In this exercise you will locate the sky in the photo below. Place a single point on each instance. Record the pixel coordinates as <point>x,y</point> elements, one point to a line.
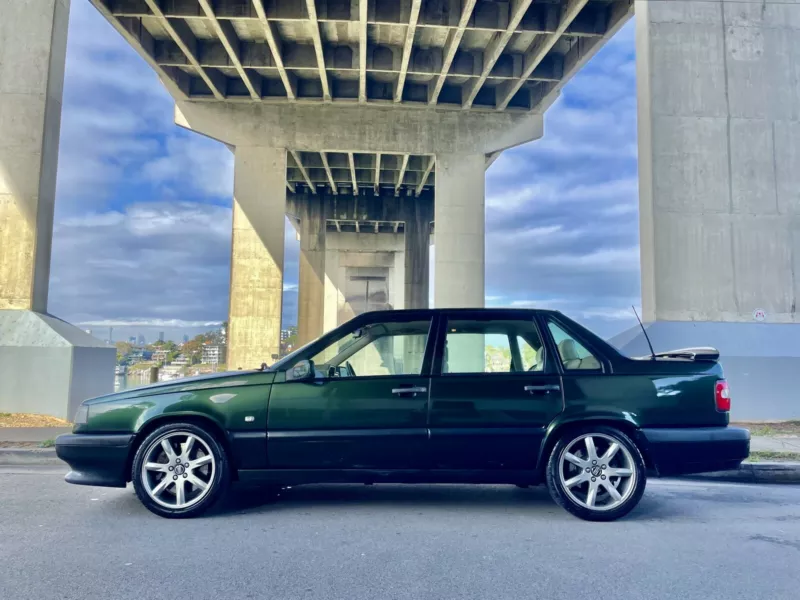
<point>143,207</point>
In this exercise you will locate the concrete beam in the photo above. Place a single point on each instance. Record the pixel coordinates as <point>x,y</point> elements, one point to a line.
<point>537,52</point>
<point>311,286</point>
<point>331,181</point>
<point>311,6</point>
<point>358,128</point>
<point>353,172</point>
<point>362,50</point>
<point>230,41</point>
<point>378,173</point>
<point>423,181</point>
<point>407,47</point>
<point>274,43</point>
<point>182,35</point>
<point>401,175</point>
<point>450,49</point>
<point>494,50</point>
<point>312,188</point>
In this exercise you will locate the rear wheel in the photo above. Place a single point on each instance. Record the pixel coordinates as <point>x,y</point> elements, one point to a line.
<point>597,473</point>
<point>180,470</point>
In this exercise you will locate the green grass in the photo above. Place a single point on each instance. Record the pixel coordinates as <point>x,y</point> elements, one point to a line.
<point>771,455</point>
<point>762,431</point>
<point>5,415</point>
<point>47,444</point>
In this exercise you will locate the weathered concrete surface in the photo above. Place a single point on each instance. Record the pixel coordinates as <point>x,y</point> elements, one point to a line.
<point>259,208</point>
<point>311,284</point>
<point>33,40</point>
<point>719,149</point>
<point>342,128</point>
<point>687,540</point>
<point>48,366</point>
<point>460,218</point>
<point>418,220</point>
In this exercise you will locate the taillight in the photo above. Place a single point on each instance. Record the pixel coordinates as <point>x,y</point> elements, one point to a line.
<point>722,394</point>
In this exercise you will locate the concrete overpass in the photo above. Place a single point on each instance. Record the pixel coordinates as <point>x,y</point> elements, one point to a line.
<point>370,122</point>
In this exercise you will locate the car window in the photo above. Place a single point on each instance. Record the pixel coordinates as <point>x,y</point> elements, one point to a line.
<point>574,355</point>
<point>378,349</point>
<point>491,347</point>
<point>532,358</point>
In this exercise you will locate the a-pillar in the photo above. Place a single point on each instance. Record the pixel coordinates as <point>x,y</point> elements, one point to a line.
<point>256,291</point>
<point>418,214</point>
<point>719,149</point>
<point>459,236</point>
<point>311,288</point>
<point>33,43</point>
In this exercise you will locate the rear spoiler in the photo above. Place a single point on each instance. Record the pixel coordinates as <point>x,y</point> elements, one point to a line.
<point>709,354</point>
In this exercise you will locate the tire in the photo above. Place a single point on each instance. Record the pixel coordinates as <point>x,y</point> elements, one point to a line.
<point>570,483</point>
<point>181,484</point>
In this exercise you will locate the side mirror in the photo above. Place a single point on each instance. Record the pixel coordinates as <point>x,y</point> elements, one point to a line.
<point>301,371</point>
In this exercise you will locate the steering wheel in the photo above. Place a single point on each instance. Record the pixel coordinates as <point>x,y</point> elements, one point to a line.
<point>350,368</point>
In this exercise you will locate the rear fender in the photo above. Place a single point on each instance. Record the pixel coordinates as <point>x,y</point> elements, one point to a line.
<point>624,421</point>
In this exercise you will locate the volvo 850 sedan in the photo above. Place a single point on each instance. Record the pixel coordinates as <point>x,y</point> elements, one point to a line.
<point>421,396</point>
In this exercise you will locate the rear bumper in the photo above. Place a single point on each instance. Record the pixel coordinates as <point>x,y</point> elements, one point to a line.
<point>95,459</point>
<point>696,450</point>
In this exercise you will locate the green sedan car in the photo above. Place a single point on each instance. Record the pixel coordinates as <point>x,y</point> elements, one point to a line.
<point>421,396</point>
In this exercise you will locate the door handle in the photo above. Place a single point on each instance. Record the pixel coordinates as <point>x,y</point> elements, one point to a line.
<point>543,388</point>
<point>409,390</point>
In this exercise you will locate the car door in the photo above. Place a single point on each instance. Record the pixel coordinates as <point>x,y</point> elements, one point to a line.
<point>367,406</point>
<point>494,390</point>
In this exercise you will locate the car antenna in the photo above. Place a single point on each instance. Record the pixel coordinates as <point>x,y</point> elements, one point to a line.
<point>644,331</point>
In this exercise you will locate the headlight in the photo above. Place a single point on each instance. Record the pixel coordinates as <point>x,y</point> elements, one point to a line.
<point>82,416</point>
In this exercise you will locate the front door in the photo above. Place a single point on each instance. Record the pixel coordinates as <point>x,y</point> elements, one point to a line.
<point>367,406</point>
<point>494,390</point>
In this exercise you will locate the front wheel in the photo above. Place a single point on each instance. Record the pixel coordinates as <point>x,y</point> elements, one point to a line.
<point>597,473</point>
<point>180,470</point>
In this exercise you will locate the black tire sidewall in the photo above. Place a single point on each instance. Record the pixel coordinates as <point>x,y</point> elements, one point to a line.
<point>219,484</point>
<point>560,496</point>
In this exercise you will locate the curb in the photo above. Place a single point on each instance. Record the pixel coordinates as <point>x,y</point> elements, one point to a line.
<point>16,457</point>
<point>760,472</point>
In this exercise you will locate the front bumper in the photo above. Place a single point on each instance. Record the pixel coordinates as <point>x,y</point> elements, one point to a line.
<point>696,449</point>
<point>95,459</point>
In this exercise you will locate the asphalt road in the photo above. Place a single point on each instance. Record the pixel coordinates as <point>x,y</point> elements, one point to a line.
<point>685,540</point>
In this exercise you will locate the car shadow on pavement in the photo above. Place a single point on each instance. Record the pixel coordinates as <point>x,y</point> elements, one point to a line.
<point>478,498</point>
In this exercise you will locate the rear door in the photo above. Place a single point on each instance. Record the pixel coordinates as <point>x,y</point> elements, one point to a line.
<point>367,406</point>
<point>494,390</point>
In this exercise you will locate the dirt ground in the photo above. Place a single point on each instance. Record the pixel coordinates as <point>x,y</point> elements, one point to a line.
<point>775,428</point>
<point>28,420</point>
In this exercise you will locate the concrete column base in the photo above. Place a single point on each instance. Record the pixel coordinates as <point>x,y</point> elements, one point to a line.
<point>761,361</point>
<point>48,366</point>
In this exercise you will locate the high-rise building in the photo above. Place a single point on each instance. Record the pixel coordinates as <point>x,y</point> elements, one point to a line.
<point>140,340</point>
<point>160,336</point>
<point>185,338</point>
<point>132,340</point>
<point>111,335</point>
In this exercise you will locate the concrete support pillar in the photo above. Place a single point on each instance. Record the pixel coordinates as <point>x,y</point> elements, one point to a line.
<point>719,149</point>
<point>418,213</point>
<point>33,41</point>
<point>459,231</point>
<point>256,293</point>
<point>311,289</point>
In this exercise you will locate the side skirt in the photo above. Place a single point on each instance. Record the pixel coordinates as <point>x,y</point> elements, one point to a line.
<point>301,476</point>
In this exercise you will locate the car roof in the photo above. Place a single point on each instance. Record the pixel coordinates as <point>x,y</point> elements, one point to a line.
<point>431,311</point>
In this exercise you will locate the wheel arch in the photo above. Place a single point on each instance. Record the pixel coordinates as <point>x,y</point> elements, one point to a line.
<point>203,421</point>
<point>556,431</point>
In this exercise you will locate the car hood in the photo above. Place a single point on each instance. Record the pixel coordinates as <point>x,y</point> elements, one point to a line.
<point>199,382</point>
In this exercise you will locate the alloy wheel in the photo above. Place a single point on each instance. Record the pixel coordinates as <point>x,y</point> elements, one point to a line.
<point>597,472</point>
<point>178,470</point>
